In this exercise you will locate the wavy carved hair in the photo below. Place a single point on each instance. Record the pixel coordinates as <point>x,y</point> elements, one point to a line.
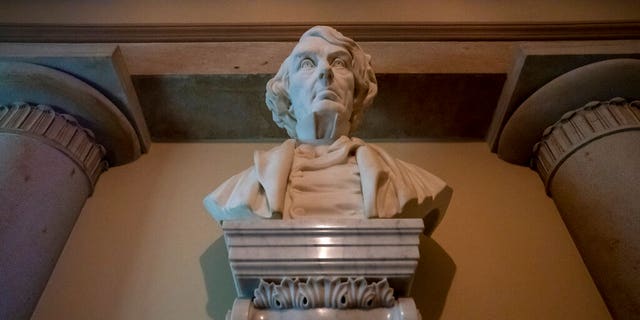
<point>365,89</point>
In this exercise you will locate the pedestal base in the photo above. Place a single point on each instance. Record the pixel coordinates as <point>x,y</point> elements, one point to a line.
<point>244,309</point>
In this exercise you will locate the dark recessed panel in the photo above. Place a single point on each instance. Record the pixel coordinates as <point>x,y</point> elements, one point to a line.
<point>200,107</point>
<point>432,106</point>
<point>230,107</point>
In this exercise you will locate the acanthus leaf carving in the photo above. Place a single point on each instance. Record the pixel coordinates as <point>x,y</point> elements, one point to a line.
<point>324,292</point>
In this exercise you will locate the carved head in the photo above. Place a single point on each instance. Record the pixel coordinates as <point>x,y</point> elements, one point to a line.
<point>323,87</point>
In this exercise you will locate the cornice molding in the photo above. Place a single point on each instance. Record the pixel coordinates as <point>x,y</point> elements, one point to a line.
<point>352,248</point>
<point>77,33</point>
<point>578,128</point>
<point>59,130</point>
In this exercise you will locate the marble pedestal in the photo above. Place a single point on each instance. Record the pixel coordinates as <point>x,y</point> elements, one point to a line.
<point>302,267</point>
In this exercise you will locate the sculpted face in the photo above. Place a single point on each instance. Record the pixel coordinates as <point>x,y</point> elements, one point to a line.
<point>321,88</point>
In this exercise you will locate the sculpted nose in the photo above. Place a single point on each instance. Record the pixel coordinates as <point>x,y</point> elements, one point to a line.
<point>326,75</point>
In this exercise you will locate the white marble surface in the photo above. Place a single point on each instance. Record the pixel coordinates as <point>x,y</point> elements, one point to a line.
<point>324,292</point>
<point>273,249</point>
<point>323,87</point>
<point>405,309</point>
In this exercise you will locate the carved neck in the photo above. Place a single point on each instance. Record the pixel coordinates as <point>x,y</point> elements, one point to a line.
<point>322,127</point>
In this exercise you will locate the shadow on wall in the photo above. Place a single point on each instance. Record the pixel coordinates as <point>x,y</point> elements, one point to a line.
<point>431,284</point>
<point>433,278</point>
<point>218,279</point>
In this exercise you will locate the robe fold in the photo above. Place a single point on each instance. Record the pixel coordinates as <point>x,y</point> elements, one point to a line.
<point>390,187</point>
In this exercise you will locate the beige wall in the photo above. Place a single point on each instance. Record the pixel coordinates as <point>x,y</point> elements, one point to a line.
<point>136,250</point>
<point>330,11</point>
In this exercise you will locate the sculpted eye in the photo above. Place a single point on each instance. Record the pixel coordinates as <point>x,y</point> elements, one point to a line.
<point>339,63</point>
<point>307,64</point>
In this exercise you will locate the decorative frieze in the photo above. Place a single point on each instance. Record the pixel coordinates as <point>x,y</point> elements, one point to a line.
<point>578,128</point>
<point>324,292</point>
<point>61,131</point>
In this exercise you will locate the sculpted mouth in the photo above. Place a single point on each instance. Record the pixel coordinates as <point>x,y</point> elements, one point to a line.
<point>326,95</point>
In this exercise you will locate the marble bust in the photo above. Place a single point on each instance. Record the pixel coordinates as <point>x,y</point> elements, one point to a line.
<point>318,96</point>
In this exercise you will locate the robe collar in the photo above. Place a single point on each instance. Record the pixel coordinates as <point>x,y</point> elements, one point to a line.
<point>274,166</point>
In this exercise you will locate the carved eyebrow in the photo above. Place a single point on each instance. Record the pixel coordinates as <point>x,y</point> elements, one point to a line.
<point>332,55</point>
<point>340,54</point>
<point>303,54</point>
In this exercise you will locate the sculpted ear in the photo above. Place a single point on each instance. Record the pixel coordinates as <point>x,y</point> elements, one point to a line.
<point>277,100</point>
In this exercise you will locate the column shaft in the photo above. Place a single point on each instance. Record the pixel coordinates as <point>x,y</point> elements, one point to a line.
<point>590,163</point>
<point>44,182</point>
<point>597,191</point>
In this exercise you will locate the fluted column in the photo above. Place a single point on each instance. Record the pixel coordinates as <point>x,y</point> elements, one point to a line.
<point>49,165</point>
<point>590,163</point>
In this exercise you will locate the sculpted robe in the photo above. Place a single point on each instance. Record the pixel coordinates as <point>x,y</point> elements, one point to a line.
<point>390,187</point>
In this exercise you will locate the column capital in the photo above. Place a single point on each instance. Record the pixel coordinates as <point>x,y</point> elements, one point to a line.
<point>58,130</point>
<point>578,128</point>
